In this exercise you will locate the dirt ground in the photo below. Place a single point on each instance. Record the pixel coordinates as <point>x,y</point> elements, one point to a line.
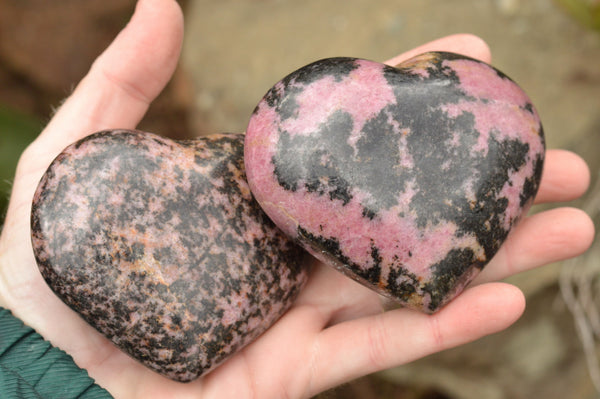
<point>236,49</point>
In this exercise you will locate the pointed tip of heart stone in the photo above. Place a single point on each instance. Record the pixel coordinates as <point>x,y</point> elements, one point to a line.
<point>407,179</point>
<point>161,247</point>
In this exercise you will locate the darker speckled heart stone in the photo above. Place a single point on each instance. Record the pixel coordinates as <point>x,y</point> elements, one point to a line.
<point>407,179</point>
<point>161,247</point>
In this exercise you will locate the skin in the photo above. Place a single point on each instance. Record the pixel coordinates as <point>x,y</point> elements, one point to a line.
<point>337,330</point>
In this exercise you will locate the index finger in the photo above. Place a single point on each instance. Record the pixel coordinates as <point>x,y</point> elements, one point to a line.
<point>465,44</point>
<point>566,177</point>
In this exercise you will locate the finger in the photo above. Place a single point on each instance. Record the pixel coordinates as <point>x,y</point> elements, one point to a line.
<point>466,44</point>
<point>540,239</point>
<point>359,347</point>
<point>124,79</point>
<point>566,177</point>
<point>337,297</point>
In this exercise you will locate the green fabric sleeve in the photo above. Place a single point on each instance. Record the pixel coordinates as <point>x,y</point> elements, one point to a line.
<point>31,367</point>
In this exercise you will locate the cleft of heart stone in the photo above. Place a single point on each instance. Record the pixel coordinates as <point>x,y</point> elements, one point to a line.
<point>407,179</point>
<point>161,247</point>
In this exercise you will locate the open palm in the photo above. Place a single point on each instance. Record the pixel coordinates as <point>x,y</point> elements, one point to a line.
<point>337,330</point>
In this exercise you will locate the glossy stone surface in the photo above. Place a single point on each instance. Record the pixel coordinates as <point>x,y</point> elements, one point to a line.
<point>407,179</point>
<point>160,246</point>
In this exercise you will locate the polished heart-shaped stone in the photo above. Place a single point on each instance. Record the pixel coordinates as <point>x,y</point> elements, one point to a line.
<point>161,247</point>
<point>408,178</point>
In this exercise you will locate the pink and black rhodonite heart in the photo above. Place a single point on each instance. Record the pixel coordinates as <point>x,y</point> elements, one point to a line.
<point>408,178</point>
<point>161,247</point>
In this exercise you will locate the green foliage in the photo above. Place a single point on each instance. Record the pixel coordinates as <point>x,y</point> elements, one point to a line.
<point>17,130</point>
<point>586,12</point>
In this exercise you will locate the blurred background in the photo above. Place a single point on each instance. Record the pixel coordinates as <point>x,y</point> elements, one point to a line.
<point>236,49</point>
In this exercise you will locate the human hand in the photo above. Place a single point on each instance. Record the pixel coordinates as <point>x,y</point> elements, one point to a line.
<point>337,330</point>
